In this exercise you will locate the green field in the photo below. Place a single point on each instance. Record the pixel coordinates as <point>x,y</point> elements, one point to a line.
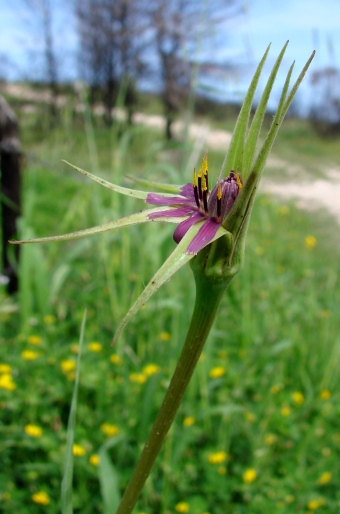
<point>259,428</point>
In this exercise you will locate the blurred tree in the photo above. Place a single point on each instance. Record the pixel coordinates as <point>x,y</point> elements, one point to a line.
<point>325,111</point>
<point>112,42</point>
<point>180,28</point>
<point>42,9</point>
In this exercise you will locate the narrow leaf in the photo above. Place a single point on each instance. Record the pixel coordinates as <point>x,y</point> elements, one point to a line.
<point>233,158</point>
<point>108,477</point>
<point>67,480</point>
<point>175,261</point>
<point>132,219</point>
<point>256,125</point>
<point>280,114</point>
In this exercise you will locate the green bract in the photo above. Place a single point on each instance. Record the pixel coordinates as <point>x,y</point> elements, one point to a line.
<point>223,255</point>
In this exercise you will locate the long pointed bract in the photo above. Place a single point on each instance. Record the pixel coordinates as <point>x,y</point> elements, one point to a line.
<point>113,187</point>
<point>174,262</point>
<point>132,219</point>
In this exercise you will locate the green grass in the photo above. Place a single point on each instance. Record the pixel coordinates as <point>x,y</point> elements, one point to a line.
<point>277,334</point>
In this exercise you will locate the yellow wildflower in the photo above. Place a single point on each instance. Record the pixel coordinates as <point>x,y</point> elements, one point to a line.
<point>33,430</point>
<point>249,475</point>
<point>270,439</point>
<point>78,450</point>
<point>249,416</point>
<point>151,369</point>
<point>283,209</point>
<point>95,347</point>
<point>260,250</point>
<point>223,354</point>
<point>29,355</point>
<point>68,365</point>
<point>109,429</point>
<point>310,242</point>
<point>217,458</point>
<point>75,348</point>
<point>36,340</point>
<point>164,337</point>
<point>298,398</point>
<point>5,368</point>
<point>182,507</point>
<point>315,504</point>
<point>275,388</point>
<point>137,378</point>
<point>94,459</point>
<point>41,498</point>
<point>188,421</point>
<point>115,359</point>
<point>49,319</point>
<point>285,410</point>
<point>6,382</point>
<point>325,478</point>
<point>325,394</point>
<point>217,372</point>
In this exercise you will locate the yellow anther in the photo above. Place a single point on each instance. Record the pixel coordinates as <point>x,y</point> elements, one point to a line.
<point>238,180</point>
<point>204,165</point>
<point>204,184</point>
<point>195,179</point>
<point>219,192</point>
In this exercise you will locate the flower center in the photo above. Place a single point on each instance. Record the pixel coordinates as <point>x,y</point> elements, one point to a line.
<point>217,203</point>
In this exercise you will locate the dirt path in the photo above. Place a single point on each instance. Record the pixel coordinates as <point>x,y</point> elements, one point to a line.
<point>310,195</point>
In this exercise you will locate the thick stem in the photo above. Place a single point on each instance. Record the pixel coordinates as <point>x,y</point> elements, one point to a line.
<point>208,297</point>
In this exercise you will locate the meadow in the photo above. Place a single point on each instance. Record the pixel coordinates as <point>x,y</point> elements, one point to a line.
<point>259,427</point>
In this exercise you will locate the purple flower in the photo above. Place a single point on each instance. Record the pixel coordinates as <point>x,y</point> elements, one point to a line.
<point>200,205</point>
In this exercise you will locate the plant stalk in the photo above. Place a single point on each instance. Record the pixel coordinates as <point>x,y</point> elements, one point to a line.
<point>208,298</point>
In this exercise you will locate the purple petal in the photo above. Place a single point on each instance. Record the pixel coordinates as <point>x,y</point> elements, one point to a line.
<point>184,226</point>
<point>204,236</point>
<point>188,191</point>
<point>173,213</point>
<point>155,199</point>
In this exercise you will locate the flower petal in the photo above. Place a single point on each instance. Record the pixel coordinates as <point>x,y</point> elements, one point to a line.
<point>188,191</point>
<point>176,213</point>
<point>205,235</point>
<point>184,226</point>
<point>133,219</point>
<point>156,199</point>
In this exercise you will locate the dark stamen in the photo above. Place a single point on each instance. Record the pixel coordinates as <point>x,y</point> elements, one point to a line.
<point>196,189</point>
<point>219,203</point>
<point>200,186</point>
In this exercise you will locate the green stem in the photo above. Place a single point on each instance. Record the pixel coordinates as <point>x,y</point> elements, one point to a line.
<point>208,297</point>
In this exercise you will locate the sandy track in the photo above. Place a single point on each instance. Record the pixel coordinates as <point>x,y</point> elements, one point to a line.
<point>311,195</point>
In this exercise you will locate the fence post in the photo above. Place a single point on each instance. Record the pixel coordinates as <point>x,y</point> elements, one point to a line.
<point>10,189</point>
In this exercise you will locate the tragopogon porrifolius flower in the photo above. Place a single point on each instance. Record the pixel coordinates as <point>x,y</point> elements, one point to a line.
<point>211,233</point>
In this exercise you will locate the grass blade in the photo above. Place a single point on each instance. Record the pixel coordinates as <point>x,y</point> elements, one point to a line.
<point>67,480</point>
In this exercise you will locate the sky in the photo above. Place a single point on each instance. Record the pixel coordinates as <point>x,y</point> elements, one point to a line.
<point>308,25</point>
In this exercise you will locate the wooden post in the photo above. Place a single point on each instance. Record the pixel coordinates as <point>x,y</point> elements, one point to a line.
<point>10,188</point>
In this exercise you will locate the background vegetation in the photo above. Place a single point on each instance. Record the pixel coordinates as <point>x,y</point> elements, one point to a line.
<point>258,430</point>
